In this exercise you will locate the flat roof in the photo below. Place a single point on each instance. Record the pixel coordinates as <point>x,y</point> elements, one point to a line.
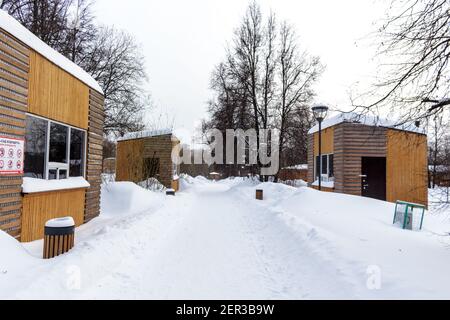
<point>146,134</point>
<point>352,117</point>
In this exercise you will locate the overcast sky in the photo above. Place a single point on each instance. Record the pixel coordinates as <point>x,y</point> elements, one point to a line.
<point>183,40</point>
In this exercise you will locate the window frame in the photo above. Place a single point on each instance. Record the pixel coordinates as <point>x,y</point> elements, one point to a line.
<point>327,155</point>
<point>56,165</point>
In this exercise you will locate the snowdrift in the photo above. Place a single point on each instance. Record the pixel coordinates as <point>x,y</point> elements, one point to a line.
<point>124,198</point>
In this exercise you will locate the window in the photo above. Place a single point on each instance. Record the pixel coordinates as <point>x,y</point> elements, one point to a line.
<point>58,143</point>
<point>35,147</point>
<point>331,165</point>
<point>326,167</point>
<point>53,151</point>
<point>325,164</point>
<point>77,138</point>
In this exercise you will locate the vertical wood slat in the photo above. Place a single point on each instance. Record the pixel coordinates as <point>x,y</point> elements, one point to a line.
<point>407,167</point>
<point>41,207</point>
<point>14,65</point>
<point>56,94</point>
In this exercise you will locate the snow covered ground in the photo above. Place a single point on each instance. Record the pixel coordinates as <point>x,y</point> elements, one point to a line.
<point>214,241</point>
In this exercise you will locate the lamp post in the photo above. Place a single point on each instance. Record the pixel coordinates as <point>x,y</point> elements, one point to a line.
<point>320,113</point>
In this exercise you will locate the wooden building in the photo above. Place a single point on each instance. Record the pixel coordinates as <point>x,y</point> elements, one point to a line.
<point>51,132</point>
<point>145,155</point>
<point>371,158</point>
<point>299,172</point>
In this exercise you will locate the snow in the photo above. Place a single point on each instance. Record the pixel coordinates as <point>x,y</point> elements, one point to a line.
<point>325,184</point>
<point>298,167</point>
<point>216,241</point>
<point>439,169</point>
<point>13,27</point>
<point>32,185</point>
<point>366,120</point>
<point>145,134</point>
<point>60,223</point>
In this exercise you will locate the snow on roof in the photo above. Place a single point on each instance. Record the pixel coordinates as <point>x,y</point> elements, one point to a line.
<point>352,117</point>
<point>145,134</point>
<point>12,26</point>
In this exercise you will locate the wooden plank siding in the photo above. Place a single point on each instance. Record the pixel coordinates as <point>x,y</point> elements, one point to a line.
<point>407,176</point>
<point>38,208</point>
<point>131,155</point>
<point>327,141</point>
<point>129,160</point>
<point>94,155</point>
<point>354,141</point>
<point>57,95</point>
<point>14,67</point>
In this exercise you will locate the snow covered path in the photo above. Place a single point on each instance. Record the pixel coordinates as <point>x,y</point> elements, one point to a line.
<point>216,251</point>
<point>215,241</point>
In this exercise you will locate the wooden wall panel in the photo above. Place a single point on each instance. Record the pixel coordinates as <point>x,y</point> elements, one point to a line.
<point>40,207</point>
<point>327,141</point>
<point>56,94</point>
<point>14,67</point>
<point>161,147</point>
<point>129,160</point>
<point>94,166</point>
<point>407,177</point>
<point>357,141</point>
<point>131,154</point>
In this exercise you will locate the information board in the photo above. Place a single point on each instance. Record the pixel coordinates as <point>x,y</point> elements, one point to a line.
<point>11,156</point>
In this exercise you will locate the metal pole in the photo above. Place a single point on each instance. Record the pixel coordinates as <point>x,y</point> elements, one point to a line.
<point>320,155</point>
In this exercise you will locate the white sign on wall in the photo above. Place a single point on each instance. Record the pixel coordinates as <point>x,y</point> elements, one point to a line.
<point>11,156</point>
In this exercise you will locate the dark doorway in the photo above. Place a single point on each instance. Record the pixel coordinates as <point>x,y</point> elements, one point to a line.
<point>373,178</point>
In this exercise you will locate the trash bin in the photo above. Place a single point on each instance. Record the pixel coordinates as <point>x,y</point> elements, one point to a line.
<point>170,192</point>
<point>59,237</point>
<point>259,194</point>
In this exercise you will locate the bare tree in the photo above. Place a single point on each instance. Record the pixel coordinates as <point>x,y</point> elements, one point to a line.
<point>112,57</point>
<point>297,73</point>
<point>265,83</point>
<point>416,42</point>
<point>116,62</point>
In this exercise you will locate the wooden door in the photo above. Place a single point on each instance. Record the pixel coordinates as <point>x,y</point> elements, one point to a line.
<point>373,177</point>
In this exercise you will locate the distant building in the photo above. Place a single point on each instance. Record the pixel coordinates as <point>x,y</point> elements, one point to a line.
<point>145,155</point>
<point>369,157</point>
<point>299,172</point>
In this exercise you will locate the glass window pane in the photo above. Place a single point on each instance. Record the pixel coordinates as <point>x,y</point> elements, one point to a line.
<point>331,166</point>
<point>325,164</point>
<point>62,174</point>
<point>52,174</point>
<point>317,167</point>
<point>58,143</point>
<point>35,147</point>
<point>76,153</point>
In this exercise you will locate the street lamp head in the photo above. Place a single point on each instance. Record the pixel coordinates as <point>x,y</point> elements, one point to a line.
<point>320,112</point>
